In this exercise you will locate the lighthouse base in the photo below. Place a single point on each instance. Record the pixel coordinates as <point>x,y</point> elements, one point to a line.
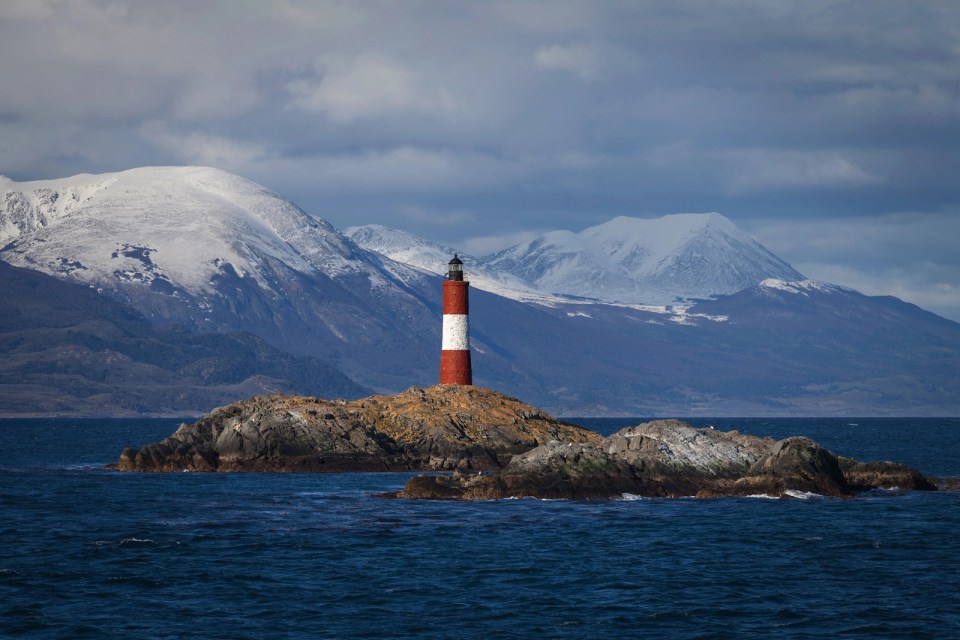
<point>455,367</point>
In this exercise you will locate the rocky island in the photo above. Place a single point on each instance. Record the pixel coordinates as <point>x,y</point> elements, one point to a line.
<point>670,458</point>
<point>500,447</point>
<point>444,427</point>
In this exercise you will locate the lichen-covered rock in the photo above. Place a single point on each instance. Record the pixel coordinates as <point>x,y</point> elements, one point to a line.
<point>676,445</point>
<point>441,427</point>
<point>670,458</point>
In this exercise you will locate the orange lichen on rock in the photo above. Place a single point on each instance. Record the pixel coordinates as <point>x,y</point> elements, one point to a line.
<point>440,427</point>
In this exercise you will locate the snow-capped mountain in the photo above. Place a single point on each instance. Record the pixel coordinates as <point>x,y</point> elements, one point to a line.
<point>159,226</point>
<point>645,261</point>
<point>415,251</point>
<point>204,248</point>
<point>198,251</point>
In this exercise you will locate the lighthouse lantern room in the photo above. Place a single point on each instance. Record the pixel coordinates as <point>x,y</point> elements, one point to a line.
<point>455,356</point>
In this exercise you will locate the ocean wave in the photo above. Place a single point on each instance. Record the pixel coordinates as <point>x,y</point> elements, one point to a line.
<point>801,495</point>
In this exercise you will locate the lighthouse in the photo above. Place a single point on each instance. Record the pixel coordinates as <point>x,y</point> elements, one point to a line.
<point>455,357</point>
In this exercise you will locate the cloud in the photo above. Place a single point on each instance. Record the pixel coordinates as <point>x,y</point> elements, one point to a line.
<point>911,255</point>
<point>366,86</point>
<point>580,60</point>
<point>323,16</point>
<point>435,217</point>
<point>26,10</point>
<point>485,245</point>
<point>519,115</point>
<point>755,170</point>
<point>561,17</point>
<point>204,149</point>
<point>397,170</point>
<point>930,286</point>
<point>407,169</point>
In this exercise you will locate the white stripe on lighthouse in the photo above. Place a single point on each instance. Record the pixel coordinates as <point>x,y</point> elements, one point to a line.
<point>456,335</point>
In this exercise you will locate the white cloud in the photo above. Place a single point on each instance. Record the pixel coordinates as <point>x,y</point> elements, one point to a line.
<point>405,169</point>
<point>590,61</point>
<point>584,62</point>
<point>932,287</point>
<point>434,217</point>
<point>323,16</point>
<point>559,17</point>
<point>25,10</point>
<point>484,245</point>
<point>204,149</point>
<point>366,86</point>
<point>910,255</point>
<point>754,170</point>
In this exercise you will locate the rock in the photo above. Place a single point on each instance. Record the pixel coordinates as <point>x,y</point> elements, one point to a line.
<point>499,447</point>
<point>670,458</point>
<point>864,476</point>
<point>443,427</point>
<point>673,445</point>
<point>795,464</point>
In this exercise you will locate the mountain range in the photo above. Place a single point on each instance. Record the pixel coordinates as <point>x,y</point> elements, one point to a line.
<point>681,315</point>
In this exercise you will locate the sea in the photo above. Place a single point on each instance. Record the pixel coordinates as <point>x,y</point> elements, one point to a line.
<point>86,552</point>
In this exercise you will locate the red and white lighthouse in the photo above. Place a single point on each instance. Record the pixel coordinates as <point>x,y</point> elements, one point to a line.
<point>455,358</point>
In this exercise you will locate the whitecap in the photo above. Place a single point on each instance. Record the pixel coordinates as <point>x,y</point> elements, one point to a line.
<point>137,541</point>
<point>631,497</point>
<point>801,495</point>
<point>763,496</point>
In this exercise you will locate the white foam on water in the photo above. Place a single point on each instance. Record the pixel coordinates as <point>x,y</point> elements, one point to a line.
<point>763,496</point>
<point>631,497</point>
<point>801,495</point>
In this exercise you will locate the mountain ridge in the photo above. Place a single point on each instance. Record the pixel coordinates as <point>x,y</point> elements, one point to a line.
<point>645,261</point>
<point>780,346</point>
<point>202,248</point>
<point>68,350</point>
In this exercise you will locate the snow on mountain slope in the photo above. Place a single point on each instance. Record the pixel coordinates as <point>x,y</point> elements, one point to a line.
<point>802,287</point>
<point>206,249</point>
<point>656,261</point>
<point>414,251</point>
<point>176,225</point>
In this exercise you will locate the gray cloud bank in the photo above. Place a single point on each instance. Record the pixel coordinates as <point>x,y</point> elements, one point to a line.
<point>830,130</point>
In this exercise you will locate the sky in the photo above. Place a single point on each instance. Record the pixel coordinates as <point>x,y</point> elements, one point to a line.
<point>830,131</point>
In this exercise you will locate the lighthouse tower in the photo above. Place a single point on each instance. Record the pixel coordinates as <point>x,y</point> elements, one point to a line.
<point>455,358</point>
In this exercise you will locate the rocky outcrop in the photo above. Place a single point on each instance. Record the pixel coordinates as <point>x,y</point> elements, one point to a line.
<point>863,476</point>
<point>499,447</point>
<point>669,458</point>
<point>444,427</point>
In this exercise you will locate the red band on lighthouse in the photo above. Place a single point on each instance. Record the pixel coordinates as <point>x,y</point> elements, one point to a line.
<point>455,356</point>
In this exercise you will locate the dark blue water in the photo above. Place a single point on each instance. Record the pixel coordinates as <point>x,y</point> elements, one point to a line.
<point>89,553</point>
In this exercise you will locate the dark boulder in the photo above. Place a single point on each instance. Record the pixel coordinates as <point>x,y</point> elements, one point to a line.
<point>863,476</point>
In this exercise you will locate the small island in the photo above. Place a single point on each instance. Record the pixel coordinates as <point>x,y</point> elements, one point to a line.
<point>499,447</point>
<point>440,428</point>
